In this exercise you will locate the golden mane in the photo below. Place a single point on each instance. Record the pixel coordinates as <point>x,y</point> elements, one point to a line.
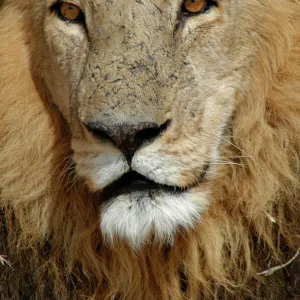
<point>49,221</point>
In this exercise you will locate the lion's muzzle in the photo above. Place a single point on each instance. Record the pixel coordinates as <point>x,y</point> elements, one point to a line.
<point>140,200</point>
<point>127,137</point>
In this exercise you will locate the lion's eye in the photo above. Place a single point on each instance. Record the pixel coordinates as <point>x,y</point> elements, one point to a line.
<point>68,12</point>
<point>192,7</point>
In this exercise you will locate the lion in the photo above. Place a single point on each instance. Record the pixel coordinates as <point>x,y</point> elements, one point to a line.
<point>150,149</point>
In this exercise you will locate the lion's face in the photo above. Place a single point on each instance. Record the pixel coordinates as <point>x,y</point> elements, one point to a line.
<point>148,90</point>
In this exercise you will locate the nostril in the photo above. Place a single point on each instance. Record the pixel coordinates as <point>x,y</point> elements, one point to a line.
<point>149,134</point>
<point>98,130</point>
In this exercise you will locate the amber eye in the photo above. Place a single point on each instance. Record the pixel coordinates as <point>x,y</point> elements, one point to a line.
<point>194,6</point>
<point>69,11</point>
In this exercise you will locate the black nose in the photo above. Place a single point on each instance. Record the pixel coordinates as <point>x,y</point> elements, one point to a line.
<point>127,137</point>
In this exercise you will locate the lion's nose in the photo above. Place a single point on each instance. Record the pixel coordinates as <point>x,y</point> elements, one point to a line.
<point>127,137</point>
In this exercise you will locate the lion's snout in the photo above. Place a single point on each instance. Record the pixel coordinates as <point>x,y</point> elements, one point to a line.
<point>126,137</point>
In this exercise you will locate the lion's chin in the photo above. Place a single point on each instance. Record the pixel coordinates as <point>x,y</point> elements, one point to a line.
<point>137,216</point>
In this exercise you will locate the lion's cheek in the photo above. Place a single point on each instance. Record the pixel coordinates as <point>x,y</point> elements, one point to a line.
<point>170,168</point>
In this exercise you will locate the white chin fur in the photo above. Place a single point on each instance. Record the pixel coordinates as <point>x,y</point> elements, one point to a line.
<point>135,217</point>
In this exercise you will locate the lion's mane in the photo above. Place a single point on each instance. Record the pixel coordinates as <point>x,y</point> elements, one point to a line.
<point>49,223</point>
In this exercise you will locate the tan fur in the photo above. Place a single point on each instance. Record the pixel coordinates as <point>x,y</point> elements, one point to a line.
<point>49,222</point>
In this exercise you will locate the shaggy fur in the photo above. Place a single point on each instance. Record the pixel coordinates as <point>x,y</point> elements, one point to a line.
<point>49,221</point>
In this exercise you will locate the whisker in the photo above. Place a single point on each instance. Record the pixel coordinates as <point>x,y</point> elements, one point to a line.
<point>229,142</point>
<point>226,163</point>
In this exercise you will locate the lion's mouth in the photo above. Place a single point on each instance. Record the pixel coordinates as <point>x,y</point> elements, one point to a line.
<point>135,208</point>
<point>133,182</point>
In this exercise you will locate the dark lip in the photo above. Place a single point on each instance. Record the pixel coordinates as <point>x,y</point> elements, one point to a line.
<point>135,182</point>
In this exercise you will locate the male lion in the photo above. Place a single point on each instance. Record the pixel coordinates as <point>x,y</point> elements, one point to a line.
<point>149,149</point>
